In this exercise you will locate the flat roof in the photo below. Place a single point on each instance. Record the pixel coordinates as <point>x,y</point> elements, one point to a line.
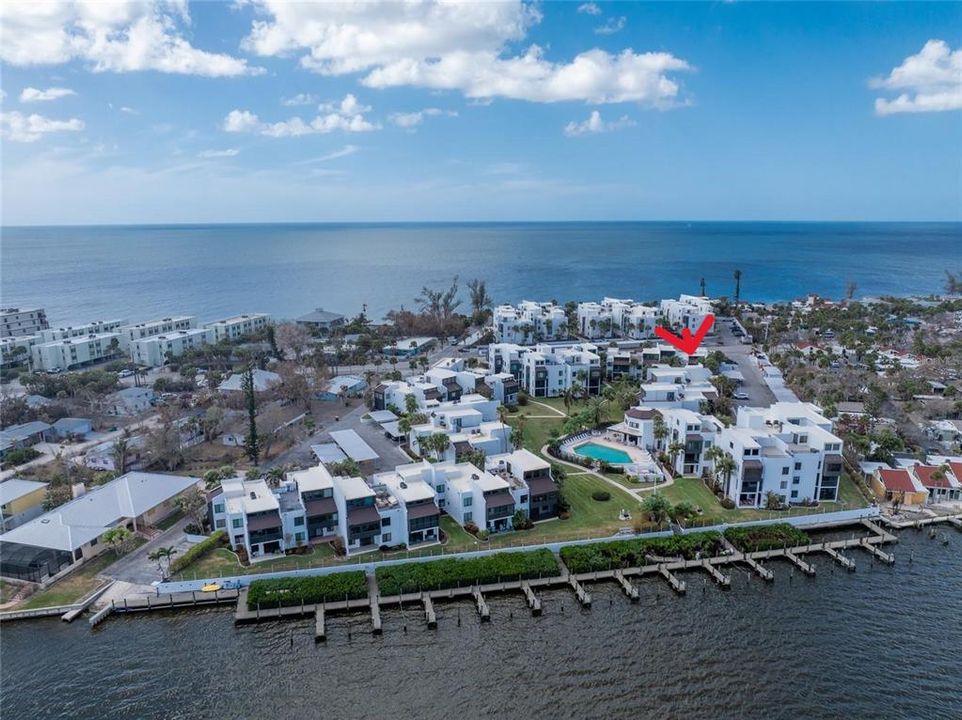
<point>315,478</point>
<point>328,453</point>
<point>353,445</point>
<point>353,488</point>
<point>382,416</point>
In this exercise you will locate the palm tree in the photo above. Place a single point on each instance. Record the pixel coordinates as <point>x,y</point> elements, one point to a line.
<point>440,442</point>
<point>713,455</point>
<point>120,454</point>
<point>162,556</point>
<point>598,410</point>
<point>738,285</point>
<point>673,450</point>
<point>702,283</point>
<point>726,467</point>
<point>659,430</point>
<point>568,397</point>
<point>517,435</point>
<point>480,300</point>
<point>274,476</point>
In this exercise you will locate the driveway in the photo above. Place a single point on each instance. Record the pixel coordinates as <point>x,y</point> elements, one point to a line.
<point>137,568</point>
<point>759,394</point>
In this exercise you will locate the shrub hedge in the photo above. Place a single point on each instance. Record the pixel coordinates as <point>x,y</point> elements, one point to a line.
<point>631,553</point>
<point>197,551</point>
<point>766,537</point>
<point>441,574</point>
<point>288,592</point>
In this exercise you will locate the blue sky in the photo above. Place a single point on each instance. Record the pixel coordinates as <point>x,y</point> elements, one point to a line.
<point>264,111</point>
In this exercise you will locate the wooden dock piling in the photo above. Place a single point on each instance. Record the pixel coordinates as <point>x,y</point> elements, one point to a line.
<point>799,563</point>
<point>584,597</point>
<point>724,580</point>
<point>876,551</point>
<point>534,602</point>
<point>762,572</point>
<point>677,585</point>
<point>845,562</point>
<point>483,610</point>
<point>429,615</point>
<point>320,629</point>
<point>631,592</point>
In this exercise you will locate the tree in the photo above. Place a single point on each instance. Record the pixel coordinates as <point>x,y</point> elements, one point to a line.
<point>292,339</point>
<point>702,284</point>
<point>274,476</point>
<point>726,467</point>
<point>517,433</point>
<point>440,442</point>
<point>597,410</point>
<point>193,504</point>
<point>212,422</point>
<point>481,302</point>
<point>772,501</point>
<point>953,283</point>
<point>120,450</point>
<point>659,429</point>
<point>850,289</point>
<point>162,556</point>
<point>738,286</point>
<point>251,443</point>
<point>163,446</point>
<point>117,538</point>
<point>657,507</point>
<point>410,404</point>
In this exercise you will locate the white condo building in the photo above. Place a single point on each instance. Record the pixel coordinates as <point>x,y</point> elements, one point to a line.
<point>97,327</point>
<point>75,351</point>
<point>677,387</point>
<point>614,317</point>
<point>154,351</point>
<point>687,311</point>
<point>16,322</point>
<point>788,449</point>
<point>239,326</point>
<point>548,370</point>
<point>529,322</point>
<point>140,331</point>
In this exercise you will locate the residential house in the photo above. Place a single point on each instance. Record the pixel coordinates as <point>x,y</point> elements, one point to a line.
<point>264,380</point>
<point>24,435</point>
<point>940,481</point>
<point>899,485</point>
<point>20,501</point>
<point>321,321</point>
<point>71,427</point>
<point>131,401</point>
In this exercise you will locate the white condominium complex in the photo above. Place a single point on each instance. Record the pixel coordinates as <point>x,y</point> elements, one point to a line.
<point>75,352</point>
<point>788,449</point>
<point>687,311</point>
<point>239,326</point>
<point>530,322</point>
<point>156,350</point>
<point>614,317</point>
<point>15,322</point>
<point>549,370</point>
<point>131,333</point>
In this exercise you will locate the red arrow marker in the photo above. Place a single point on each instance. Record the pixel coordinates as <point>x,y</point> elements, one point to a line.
<point>687,343</point>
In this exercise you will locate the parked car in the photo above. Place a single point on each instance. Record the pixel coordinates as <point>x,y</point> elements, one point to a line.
<point>125,373</point>
<point>740,395</point>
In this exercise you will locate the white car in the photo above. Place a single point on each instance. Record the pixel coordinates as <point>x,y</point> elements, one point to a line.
<point>740,396</point>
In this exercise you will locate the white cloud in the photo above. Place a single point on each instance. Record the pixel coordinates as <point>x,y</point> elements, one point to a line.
<point>345,151</point>
<point>594,125</point>
<point>111,35</point>
<point>589,8</point>
<point>228,152</point>
<point>30,94</point>
<point>347,115</point>
<point>931,81</point>
<point>128,110</point>
<point>455,46</point>
<point>299,99</point>
<point>413,119</point>
<point>614,25</point>
<point>594,76</point>
<point>18,127</point>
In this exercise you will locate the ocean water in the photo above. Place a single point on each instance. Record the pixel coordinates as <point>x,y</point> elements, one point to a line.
<point>882,642</point>
<point>85,273</point>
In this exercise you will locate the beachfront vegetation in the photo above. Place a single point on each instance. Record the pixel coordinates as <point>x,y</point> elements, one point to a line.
<point>634,553</point>
<point>441,574</point>
<point>766,537</point>
<point>288,592</point>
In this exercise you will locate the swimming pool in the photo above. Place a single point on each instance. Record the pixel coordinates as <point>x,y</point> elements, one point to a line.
<point>603,452</point>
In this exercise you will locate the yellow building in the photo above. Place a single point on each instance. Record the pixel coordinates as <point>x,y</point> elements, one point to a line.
<point>20,501</point>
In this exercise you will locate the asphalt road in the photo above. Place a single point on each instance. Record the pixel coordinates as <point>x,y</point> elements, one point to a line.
<point>759,395</point>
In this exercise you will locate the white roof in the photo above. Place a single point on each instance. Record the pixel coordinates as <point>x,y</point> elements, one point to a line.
<point>353,488</point>
<point>345,382</point>
<point>382,416</point>
<point>523,460</point>
<point>406,489</point>
<point>263,380</point>
<point>87,517</point>
<point>328,453</point>
<point>353,445</point>
<point>315,478</point>
<point>16,488</point>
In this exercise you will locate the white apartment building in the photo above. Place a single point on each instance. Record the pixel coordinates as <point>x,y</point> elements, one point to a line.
<point>154,351</point>
<point>131,333</point>
<point>673,387</point>
<point>75,351</point>
<point>408,508</point>
<point>615,317</point>
<point>529,322</point>
<point>17,349</point>
<point>788,449</point>
<point>239,326</point>
<point>359,518</point>
<point>15,322</point>
<point>535,491</point>
<point>697,433</point>
<point>550,370</point>
<point>257,519</point>
<point>97,327</point>
<point>470,424</point>
<point>687,311</point>
<point>638,428</point>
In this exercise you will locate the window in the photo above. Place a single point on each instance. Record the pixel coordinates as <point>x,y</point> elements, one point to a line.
<point>298,521</point>
<point>221,523</point>
<point>523,499</point>
<point>467,501</point>
<point>386,522</point>
<point>440,488</point>
<point>785,470</point>
<point>219,508</point>
<point>299,537</point>
<point>798,466</point>
<point>237,523</point>
<point>468,517</point>
<point>386,538</point>
<point>794,494</point>
<point>783,485</point>
<point>93,542</point>
<point>796,480</point>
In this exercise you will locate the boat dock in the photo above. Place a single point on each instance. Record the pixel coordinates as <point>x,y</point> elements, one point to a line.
<point>529,588</point>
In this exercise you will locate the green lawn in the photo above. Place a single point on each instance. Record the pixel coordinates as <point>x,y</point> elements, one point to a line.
<point>7,591</point>
<point>222,562</point>
<point>693,490</point>
<point>75,586</point>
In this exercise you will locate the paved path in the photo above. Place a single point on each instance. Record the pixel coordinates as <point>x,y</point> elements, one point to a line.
<point>137,568</point>
<point>556,411</point>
